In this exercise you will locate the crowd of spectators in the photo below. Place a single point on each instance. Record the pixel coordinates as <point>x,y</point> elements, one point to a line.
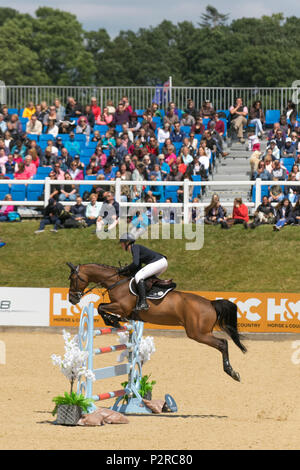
<point>153,147</point>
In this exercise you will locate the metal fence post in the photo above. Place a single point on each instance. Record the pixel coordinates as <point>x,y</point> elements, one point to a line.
<point>186,201</point>
<point>257,192</point>
<point>47,191</point>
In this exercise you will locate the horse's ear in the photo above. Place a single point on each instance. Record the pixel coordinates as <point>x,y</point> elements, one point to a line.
<point>71,266</point>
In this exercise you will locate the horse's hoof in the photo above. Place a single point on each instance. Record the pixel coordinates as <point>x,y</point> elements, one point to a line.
<point>236,376</point>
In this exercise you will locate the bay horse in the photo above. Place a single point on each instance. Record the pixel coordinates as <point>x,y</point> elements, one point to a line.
<point>196,314</point>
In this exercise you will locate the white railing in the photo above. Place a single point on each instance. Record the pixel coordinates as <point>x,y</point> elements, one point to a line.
<point>116,186</point>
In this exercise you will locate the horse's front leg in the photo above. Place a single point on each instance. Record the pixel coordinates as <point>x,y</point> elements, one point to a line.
<point>111,314</point>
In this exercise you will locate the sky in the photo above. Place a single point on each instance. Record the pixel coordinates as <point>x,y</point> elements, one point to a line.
<point>117,15</point>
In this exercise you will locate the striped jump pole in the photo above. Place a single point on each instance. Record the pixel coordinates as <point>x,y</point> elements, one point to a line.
<point>133,369</point>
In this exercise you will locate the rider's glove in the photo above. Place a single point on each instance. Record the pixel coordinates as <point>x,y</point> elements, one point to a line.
<point>123,270</point>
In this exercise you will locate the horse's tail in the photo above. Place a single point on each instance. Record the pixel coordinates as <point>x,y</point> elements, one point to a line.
<point>227,320</point>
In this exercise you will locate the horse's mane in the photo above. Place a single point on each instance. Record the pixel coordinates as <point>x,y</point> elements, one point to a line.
<point>102,265</point>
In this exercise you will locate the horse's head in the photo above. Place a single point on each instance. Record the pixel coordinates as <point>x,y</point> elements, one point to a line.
<point>78,282</point>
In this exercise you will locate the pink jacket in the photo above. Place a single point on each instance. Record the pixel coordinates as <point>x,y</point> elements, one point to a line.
<point>4,210</point>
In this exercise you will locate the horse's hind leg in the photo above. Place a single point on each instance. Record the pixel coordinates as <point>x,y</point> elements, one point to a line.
<point>222,346</point>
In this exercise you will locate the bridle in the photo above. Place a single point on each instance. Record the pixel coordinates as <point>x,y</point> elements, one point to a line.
<point>79,293</point>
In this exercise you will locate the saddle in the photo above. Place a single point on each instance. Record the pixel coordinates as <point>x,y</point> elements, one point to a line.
<point>155,288</point>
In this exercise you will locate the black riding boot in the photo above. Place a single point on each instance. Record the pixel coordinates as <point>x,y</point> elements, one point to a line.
<point>141,302</point>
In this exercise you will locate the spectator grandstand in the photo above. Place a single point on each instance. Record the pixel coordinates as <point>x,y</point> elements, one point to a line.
<point>71,143</point>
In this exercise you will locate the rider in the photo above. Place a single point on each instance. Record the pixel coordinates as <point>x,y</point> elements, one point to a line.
<point>154,262</point>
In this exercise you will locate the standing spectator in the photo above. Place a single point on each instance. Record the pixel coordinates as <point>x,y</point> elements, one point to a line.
<point>89,115</point>
<point>257,117</point>
<point>60,110</point>
<point>290,111</point>
<point>238,114</point>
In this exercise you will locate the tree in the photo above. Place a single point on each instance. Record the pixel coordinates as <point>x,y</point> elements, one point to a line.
<point>212,18</point>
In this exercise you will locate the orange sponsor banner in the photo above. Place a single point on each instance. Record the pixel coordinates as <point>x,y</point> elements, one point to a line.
<point>257,312</point>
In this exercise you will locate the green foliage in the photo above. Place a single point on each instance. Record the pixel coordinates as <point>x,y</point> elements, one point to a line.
<point>72,399</point>
<point>144,387</point>
<point>53,49</point>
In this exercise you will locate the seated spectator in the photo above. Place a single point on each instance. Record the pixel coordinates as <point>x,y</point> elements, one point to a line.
<point>72,146</point>
<point>51,216</point>
<point>6,209</point>
<point>268,162</point>
<point>34,126</point>
<point>104,118</point>
<point>283,214</point>
<point>272,132</point>
<point>14,126</point>
<point>264,214</point>
<point>108,172</point>
<point>187,158</point>
<point>65,159</point>
<point>207,110</point>
<point>163,133</point>
<point>29,166</point>
<point>73,109</point>
<point>3,125</point>
<point>292,192</point>
<point>284,125</point>
<point>109,141</point>
<point>219,125</point>
<point>96,137</point>
<point>240,215</point>
<point>257,117</point>
<point>4,111</point>
<point>78,211</point>
<point>8,142</point>
<point>29,111</point>
<point>280,139</point>
<point>295,215</point>
<point>182,167</point>
<point>3,160</point>
<point>89,115</point>
<point>296,172</point>
<point>127,105</point>
<point>288,150</point>
<point>261,172</point>
<point>164,167</point>
<point>199,127</point>
<point>238,114</point>
<point>108,216</point>
<point>52,128</point>
<point>148,124</point>
<point>48,158</point>
<point>252,140</point>
<point>214,213</point>
<point>59,109</point>
<point>170,156</point>
<point>95,108</point>
<point>59,173</point>
<point>126,131</point>
<point>9,165</point>
<point>138,174</point>
<point>39,113</point>
<point>83,126</point>
<point>75,172</point>
<point>170,118</point>
<point>121,149</point>
<point>68,192</point>
<point>155,111</point>
<point>101,157</point>
<point>93,210</point>
<point>204,159</point>
<point>172,107</point>
<point>275,150</point>
<point>278,172</point>
<point>21,172</point>
<point>121,115</point>
<point>176,134</point>
<point>190,109</point>
<point>134,125</point>
<point>276,193</point>
<point>187,120</point>
<point>50,116</point>
<point>175,175</point>
<point>111,107</point>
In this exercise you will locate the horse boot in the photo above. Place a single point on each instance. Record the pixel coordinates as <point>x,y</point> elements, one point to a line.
<point>141,302</point>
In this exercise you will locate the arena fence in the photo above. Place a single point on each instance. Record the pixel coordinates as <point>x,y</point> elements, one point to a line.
<point>140,97</point>
<point>257,189</point>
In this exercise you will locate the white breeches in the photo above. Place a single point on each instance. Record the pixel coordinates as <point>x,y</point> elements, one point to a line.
<point>157,267</point>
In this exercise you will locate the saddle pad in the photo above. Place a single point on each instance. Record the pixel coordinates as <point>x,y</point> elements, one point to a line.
<point>156,292</point>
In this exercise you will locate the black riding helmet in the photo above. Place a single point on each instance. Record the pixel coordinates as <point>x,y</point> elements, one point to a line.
<point>127,238</point>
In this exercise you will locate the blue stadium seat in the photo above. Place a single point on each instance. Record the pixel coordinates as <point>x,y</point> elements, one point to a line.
<point>288,162</point>
<point>13,111</point>
<point>196,189</point>
<point>139,112</point>
<point>80,138</point>
<point>33,137</point>
<point>101,129</point>
<point>205,122</point>
<point>86,153</point>
<point>46,137</point>
<point>171,192</point>
<point>4,190</point>
<point>64,137</point>
<point>177,146</point>
<point>42,172</point>
<point>34,191</point>
<point>18,192</point>
<point>225,111</point>
<point>91,145</point>
<point>186,130</point>
<point>272,116</point>
<point>158,121</point>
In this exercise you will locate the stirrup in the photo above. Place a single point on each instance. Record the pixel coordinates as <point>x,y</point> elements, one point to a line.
<point>142,306</point>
